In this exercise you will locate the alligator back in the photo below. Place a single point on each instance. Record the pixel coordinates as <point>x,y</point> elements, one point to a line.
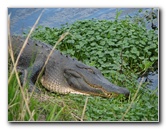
<point>34,50</point>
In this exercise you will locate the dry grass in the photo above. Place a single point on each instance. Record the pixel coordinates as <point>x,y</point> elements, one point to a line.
<point>25,43</point>
<point>48,57</point>
<point>84,109</point>
<point>134,97</point>
<point>24,95</point>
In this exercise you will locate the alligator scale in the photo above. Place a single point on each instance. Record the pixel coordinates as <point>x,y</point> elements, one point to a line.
<point>62,74</point>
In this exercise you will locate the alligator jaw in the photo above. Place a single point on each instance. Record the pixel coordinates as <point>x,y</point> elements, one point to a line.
<point>96,85</point>
<point>110,90</point>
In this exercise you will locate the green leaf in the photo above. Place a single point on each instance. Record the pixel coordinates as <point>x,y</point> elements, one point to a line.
<point>98,37</point>
<point>93,44</point>
<point>90,32</point>
<point>70,41</point>
<point>147,64</point>
<point>102,43</point>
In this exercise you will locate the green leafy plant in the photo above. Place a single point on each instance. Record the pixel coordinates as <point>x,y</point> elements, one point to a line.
<point>123,50</point>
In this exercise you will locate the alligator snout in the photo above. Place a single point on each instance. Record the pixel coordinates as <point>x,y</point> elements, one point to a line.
<point>110,88</point>
<point>116,90</point>
<point>126,93</point>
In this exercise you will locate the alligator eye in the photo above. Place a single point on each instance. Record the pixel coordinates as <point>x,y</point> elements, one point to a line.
<point>90,70</point>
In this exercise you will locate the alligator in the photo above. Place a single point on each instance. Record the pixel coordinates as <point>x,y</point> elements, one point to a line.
<point>62,74</point>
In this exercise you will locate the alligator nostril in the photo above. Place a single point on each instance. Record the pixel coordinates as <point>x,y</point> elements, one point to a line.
<point>127,94</point>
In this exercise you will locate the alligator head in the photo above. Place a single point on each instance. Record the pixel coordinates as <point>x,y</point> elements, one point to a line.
<point>64,74</point>
<point>89,80</point>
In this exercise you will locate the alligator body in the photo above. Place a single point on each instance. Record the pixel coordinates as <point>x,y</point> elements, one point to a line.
<point>62,73</point>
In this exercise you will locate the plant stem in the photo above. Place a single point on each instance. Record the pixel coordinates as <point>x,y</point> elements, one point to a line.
<point>83,112</point>
<point>135,95</point>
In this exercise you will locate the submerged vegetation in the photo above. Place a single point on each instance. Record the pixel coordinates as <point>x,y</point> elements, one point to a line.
<point>123,49</point>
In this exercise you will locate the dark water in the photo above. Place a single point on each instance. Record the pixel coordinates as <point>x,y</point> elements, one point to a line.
<point>23,19</point>
<point>153,78</point>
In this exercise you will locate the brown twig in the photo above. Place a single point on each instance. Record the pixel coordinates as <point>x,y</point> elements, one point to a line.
<point>135,95</point>
<point>48,57</point>
<point>75,117</point>
<point>15,70</point>
<point>15,63</point>
<point>25,43</point>
<point>121,64</point>
<point>84,109</point>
